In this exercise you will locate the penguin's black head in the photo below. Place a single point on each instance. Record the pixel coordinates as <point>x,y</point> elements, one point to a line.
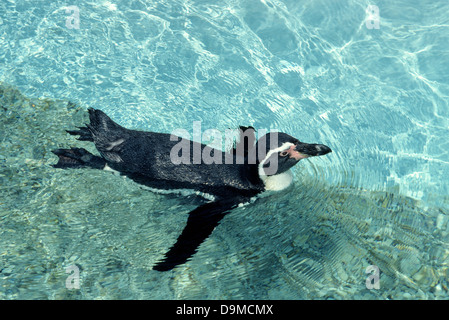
<point>277,152</point>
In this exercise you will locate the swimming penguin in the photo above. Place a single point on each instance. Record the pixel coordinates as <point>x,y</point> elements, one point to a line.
<point>152,159</point>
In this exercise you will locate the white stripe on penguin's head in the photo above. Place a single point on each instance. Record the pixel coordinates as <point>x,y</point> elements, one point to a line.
<point>272,168</point>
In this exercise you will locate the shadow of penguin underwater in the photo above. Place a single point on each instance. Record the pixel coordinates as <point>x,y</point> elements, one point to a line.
<point>152,159</point>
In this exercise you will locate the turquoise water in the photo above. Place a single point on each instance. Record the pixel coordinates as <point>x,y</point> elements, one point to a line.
<point>312,69</point>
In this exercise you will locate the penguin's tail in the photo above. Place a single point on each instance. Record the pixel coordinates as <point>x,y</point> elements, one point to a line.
<point>101,130</point>
<point>78,158</point>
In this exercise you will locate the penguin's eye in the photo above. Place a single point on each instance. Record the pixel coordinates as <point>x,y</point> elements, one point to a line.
<point>283,153</point>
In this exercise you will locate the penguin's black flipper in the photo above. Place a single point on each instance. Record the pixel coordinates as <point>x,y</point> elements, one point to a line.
<point>200,224</point>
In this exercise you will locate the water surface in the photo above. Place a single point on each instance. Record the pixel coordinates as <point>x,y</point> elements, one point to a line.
<point>312,69</point>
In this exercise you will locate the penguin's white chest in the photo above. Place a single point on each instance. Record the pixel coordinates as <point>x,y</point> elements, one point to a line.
<point>278,182</point>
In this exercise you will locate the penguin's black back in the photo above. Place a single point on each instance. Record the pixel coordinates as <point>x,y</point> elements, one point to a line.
<point>147,158</point>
